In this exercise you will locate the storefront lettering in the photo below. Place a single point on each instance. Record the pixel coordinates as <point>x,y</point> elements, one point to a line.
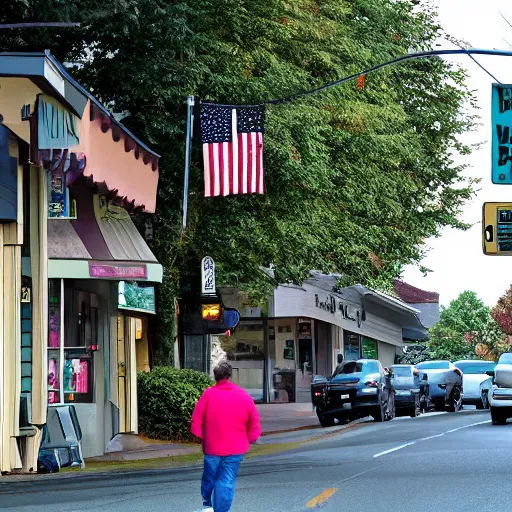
<point>328,305</point>
<point>112,271</point>
<point>347,312</point>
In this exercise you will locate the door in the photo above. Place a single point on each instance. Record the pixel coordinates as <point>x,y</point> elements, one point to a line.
<point>127,373</point>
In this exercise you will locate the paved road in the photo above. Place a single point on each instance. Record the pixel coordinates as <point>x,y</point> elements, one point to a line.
<point>456,462</point>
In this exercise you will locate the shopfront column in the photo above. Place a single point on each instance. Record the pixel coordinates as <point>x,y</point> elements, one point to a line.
<point>39,269</point>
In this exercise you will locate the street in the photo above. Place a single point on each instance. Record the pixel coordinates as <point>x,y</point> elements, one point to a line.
<point>455,462</point>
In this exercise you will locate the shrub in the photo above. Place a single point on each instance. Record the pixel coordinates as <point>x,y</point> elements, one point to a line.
<point>167,397</point>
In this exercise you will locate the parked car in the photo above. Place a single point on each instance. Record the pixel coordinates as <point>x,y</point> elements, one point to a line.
<point>475,382</point>
<point>445,384</point>
<point>500,395</point>
<point>411,389</point>
<point>356,389</point>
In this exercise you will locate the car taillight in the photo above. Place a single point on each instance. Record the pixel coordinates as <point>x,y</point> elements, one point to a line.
<point>317,393</point>
<point>372,383</point>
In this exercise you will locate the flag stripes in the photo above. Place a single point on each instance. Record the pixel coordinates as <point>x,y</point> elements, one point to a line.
<point>232,151</point>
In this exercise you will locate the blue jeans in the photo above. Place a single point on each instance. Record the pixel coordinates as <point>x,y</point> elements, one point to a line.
<point>219,479</point>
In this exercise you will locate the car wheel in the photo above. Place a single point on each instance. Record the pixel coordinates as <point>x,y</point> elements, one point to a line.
<point>481,404</point>
<point>325,420</point>
<point>497,417</point>
<point>378,413</point>
<point>439,405</point>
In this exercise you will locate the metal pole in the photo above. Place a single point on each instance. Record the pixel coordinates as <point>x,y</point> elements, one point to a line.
<point>190,129</point>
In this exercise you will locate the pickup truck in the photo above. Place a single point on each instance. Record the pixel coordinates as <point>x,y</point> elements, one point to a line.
<point>500,395</point>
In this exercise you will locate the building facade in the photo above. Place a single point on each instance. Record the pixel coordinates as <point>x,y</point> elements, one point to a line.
<point>78,277</point>
<point>276,351</point>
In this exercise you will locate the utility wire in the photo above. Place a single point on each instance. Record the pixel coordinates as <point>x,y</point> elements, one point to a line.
<point>410,56</point>
<point>38,25</point>
<point>483,68</point>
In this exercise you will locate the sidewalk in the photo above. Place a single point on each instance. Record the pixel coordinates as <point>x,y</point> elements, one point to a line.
<point>285,417</point>
<point>279,422</point>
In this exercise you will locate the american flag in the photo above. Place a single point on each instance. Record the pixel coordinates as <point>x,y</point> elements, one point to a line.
<point>232,140</point>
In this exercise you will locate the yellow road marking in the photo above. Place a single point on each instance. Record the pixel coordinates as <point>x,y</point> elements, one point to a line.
<point>321,498</point>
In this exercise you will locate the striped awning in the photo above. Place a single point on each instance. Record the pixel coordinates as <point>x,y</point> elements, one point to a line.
<point>102,242</point>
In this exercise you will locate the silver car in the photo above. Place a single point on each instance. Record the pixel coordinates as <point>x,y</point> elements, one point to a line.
<point>476,383</point>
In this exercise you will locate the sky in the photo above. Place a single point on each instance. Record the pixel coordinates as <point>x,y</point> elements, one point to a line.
<point>456,258</point>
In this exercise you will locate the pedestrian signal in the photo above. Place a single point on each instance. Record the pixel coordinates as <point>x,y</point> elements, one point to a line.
<point>497,229</point>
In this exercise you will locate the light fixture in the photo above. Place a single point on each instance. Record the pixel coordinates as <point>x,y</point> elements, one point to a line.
<point>210,311</point>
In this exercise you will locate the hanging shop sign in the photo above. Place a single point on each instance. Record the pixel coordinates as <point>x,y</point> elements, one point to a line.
<point>333,305</point>
<point>207,276</point>
<point>109,271</point>
<point>134,297</point>
<point>25,294</point>
<point>497,229</point>
<point>501,120</point>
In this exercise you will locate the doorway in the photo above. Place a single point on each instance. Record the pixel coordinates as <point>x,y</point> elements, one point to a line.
<point>127,373</point>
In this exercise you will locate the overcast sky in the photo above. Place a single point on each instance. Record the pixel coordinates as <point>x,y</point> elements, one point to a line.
<point>456,258</point>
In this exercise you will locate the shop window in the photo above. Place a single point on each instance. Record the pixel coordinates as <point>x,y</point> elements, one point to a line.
<point>72,340</point>
<point>352,346</point>
<point>282,356</point>
<point>370,348</point>
<point>245,351</point>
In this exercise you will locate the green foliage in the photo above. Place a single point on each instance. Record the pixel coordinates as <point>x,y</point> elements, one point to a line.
<point>356,179</point>
<point>167,397</point>
<point>413,354</point>
<point>464,326</point>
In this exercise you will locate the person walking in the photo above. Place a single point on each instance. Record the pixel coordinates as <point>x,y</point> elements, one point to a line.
<point>227,421</point>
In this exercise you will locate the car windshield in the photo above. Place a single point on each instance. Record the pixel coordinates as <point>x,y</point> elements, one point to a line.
<point>505,358</point>
<point>476,368</point>
<point>434,365</point>
<point>351,367</point>
<point>401,371</point>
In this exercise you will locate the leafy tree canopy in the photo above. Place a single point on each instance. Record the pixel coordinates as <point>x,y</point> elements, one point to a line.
<point>357,177</point>
<point>466,330</point>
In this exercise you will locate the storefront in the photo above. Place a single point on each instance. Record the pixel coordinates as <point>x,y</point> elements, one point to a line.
<point>274,357</point>
<point>98,318</point>
<point>72,177</point>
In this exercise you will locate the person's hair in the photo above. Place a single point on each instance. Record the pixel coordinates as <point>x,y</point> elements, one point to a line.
<point>222,371</point>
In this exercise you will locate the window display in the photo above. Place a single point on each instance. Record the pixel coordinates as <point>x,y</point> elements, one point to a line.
<point>370,348</point>
<point>352,346</point>
<point>72,339</point>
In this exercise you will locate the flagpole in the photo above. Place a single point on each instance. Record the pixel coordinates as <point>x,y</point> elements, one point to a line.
<point>188,144</point>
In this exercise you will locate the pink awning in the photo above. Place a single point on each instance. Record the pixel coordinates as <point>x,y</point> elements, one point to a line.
<point>115,159</point>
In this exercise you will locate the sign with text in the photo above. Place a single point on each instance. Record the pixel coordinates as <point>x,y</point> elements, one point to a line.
<point>348,312</point>
<point>501,120</point>
<point>497,229</point>
<point>111,271</point>
<point>207,276</point>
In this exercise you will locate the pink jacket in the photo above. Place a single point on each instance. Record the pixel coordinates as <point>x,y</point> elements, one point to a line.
<point>226,419</point>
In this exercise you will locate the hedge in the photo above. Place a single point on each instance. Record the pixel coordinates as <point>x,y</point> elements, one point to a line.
<point>167,397</point>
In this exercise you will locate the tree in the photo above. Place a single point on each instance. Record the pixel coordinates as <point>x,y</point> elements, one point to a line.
<point>502,314</point>
<point>466,330</point>
<point>357,177</point>
<point>413,354</point>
